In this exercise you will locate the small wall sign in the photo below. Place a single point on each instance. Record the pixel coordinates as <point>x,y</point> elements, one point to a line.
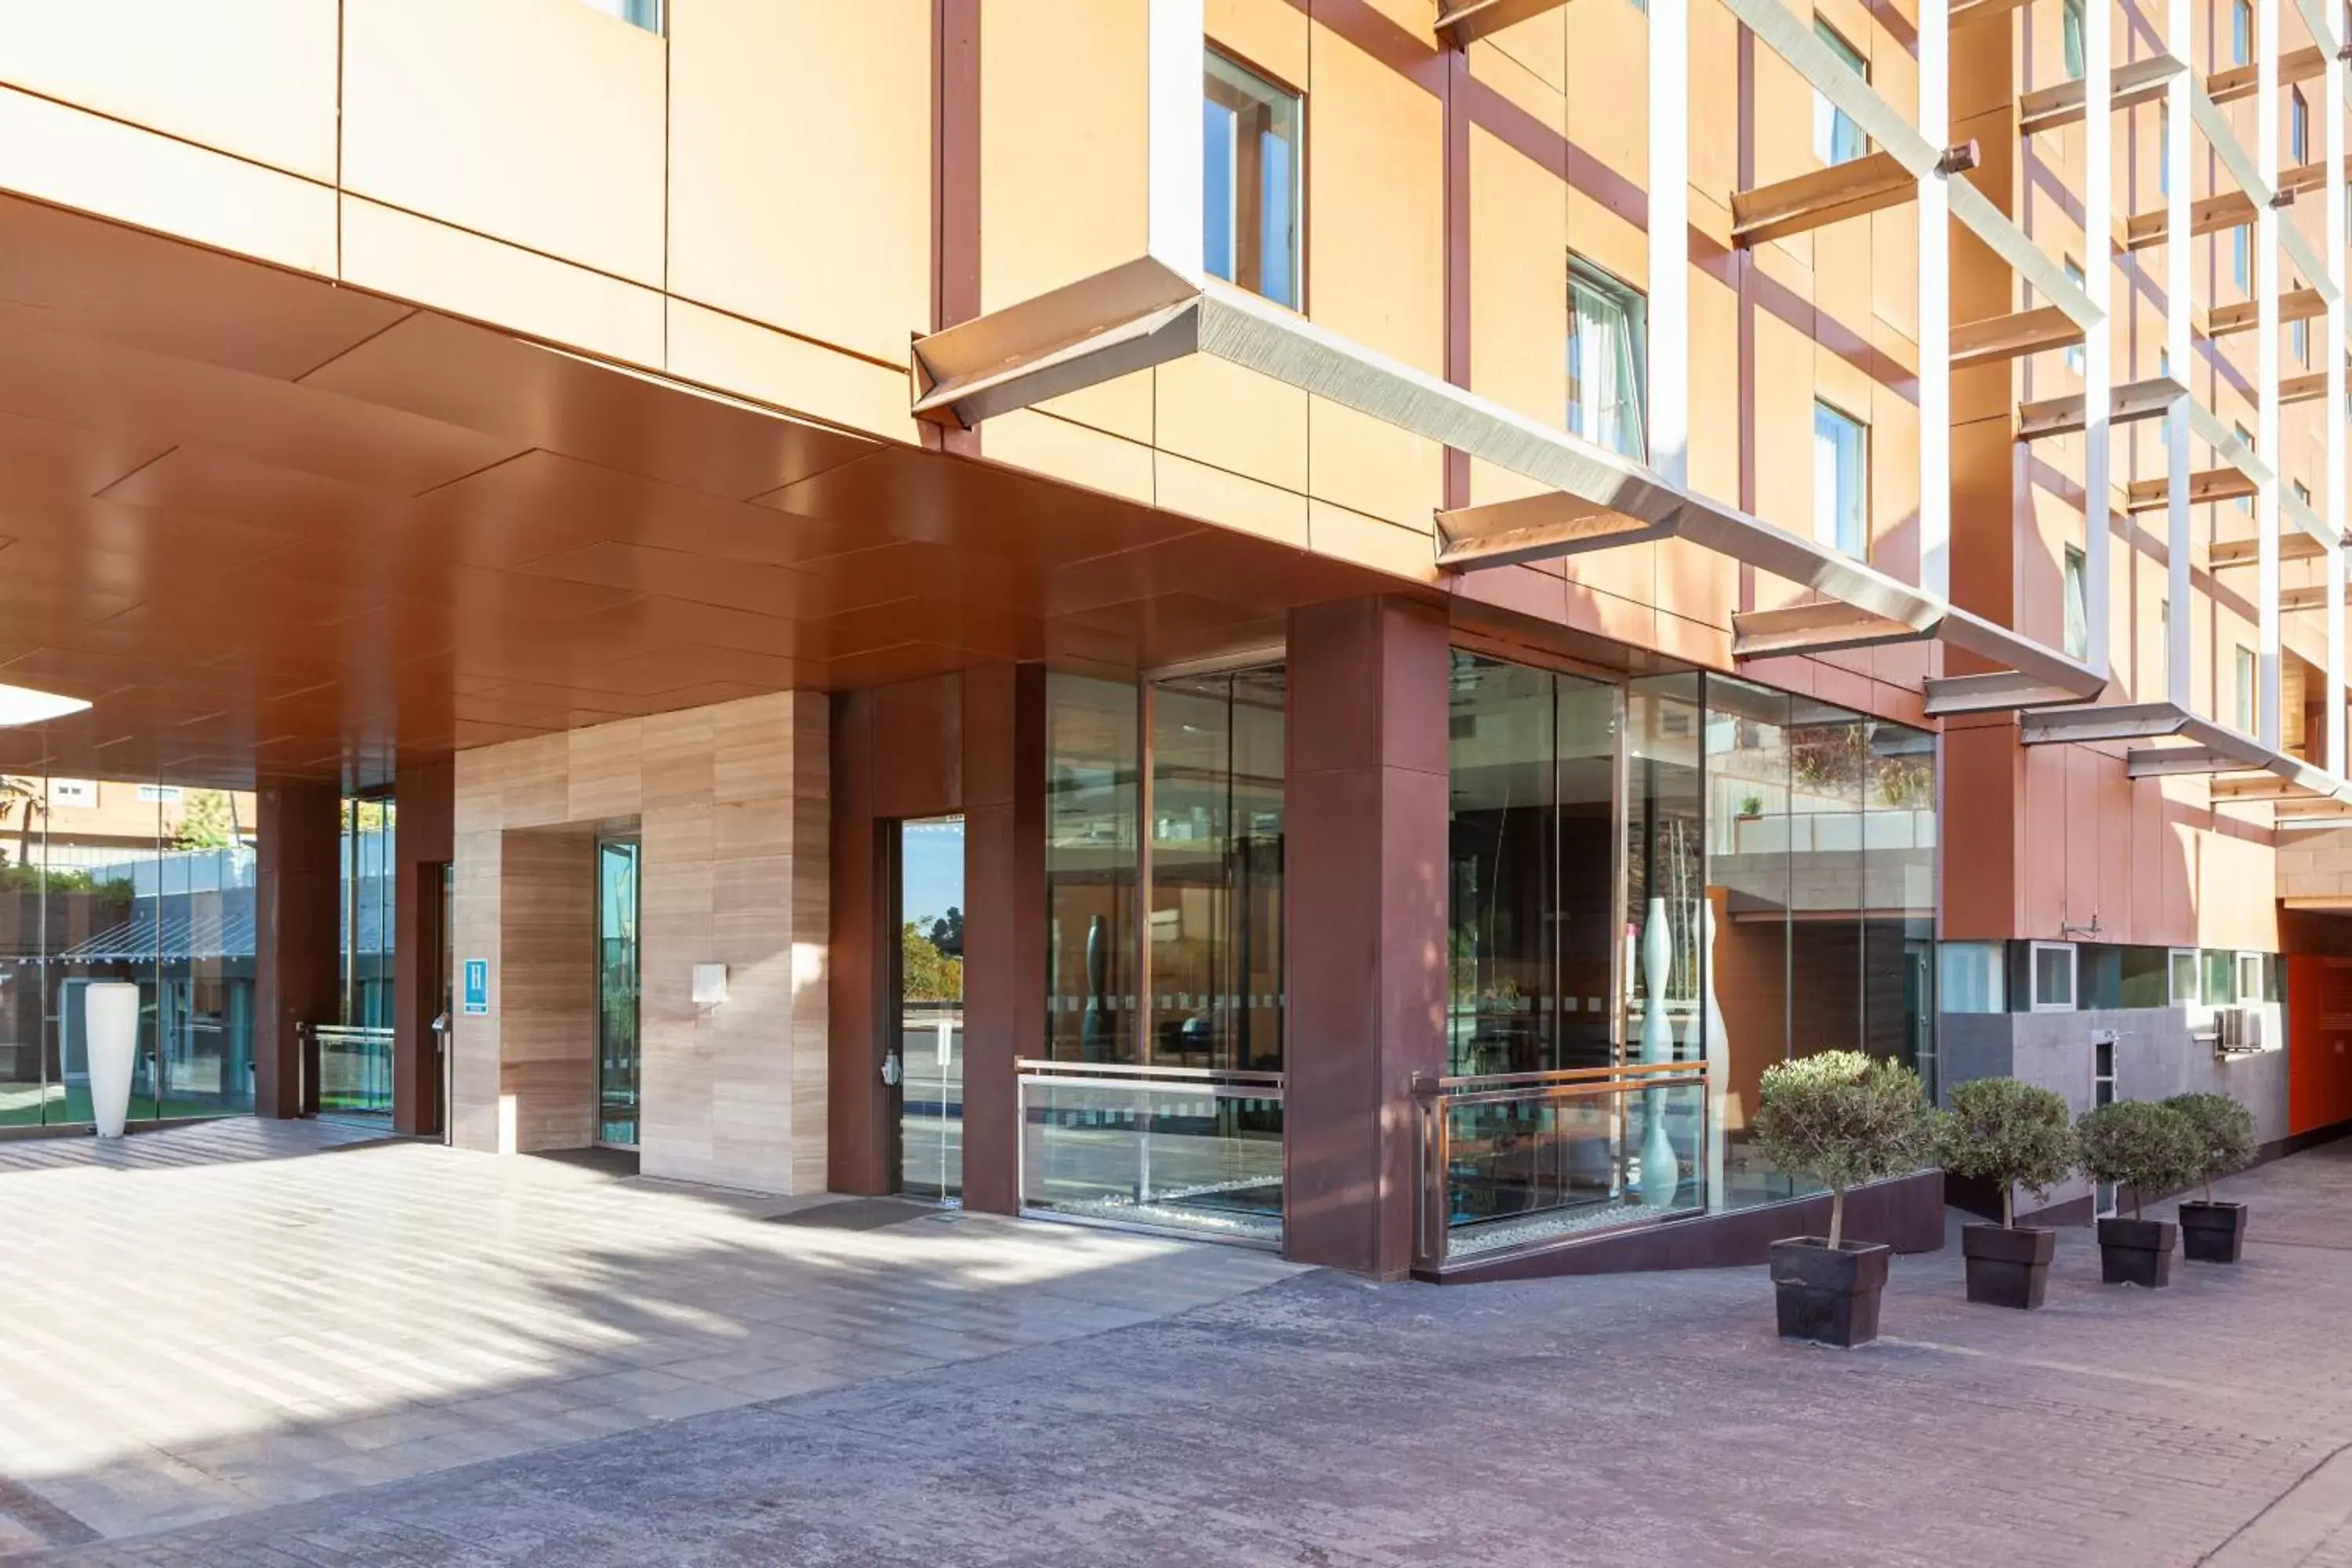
<point>477,987</point>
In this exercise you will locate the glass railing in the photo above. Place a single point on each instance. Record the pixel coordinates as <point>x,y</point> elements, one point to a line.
<point>1187,1149</point>
<point>355,1070</point>
<point>1511,1161</point>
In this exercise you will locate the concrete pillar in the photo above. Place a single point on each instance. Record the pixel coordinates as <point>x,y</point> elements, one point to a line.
<point>1365,890</point>
<point>1004,919</point>
<point>426,799</point>
<point>296,932</point>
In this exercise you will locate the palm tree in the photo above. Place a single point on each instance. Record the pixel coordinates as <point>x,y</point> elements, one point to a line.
<point>28,799</point>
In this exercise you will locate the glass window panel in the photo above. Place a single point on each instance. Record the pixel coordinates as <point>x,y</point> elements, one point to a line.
<point>2078,625</point>
<point>2242,33</point>
<point>2072,31</point>
<point>1841,482</point>
<point>2184,976</point>
<point>1217,870</point>
<point>929,984</point>
<point>2238,255</point>
<point>1090,868</point>
<point>2053,976</point>
<point>204,1009</point>
<point>1748,891</point>
<point>646,14</point>
<point>2248,710</point>
<point>2074,352</point>
<point>2163,140</point>
<point>104,873</point>
<point>2220,977</point>
<point>25,1071</point>
<point>1828,757</point>
<point>1837,139</point>
<point>1250,180</point>
<point>1899,895</point>
<point>1606,360</point>
<point>1501,866</point>
<point>1972,978</point>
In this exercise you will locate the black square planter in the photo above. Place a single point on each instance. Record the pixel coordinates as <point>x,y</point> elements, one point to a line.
<point>1828,1295</point>
<point>2212,1233</point>
<point>2136,1251</point>
<point>2008,1267</point>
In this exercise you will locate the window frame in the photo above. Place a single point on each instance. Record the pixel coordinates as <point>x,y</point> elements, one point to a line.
<point>2173,958</point>
<point>1273,88</point>
<point>2245,690</point>
<point>2033,998</point>
<point>617,10</point>
<point>1828,117</point>
<point>2074,29</point>
<point>2254,994</point>
<point>2242,32</point>
<point>2074,601</point>
<point>1634,306</point>
<point>2298,126</point>
<point>1829,510</point>
<point>2240,257</point>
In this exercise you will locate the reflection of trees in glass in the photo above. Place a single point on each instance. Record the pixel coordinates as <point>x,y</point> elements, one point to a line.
<point>207,820</point>
<point>926,973</point>
<point>28,799</point>
<point>1826,758</point>
<point>947,933</point>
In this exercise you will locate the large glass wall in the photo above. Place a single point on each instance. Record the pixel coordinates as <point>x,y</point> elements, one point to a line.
<point>1163,1102</point>
<point>1689,869</point>
<point>142,882</point>
<point>1531,868</point>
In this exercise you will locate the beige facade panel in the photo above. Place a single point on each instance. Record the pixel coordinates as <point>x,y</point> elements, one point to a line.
<point>810,378</point>
<point>1376,209</point>
<point>835,245</point>
<point>252,78</point>
<point>732,806</point>
<point>535,121</point>
<point>55,153</point>
<point>461,272</point>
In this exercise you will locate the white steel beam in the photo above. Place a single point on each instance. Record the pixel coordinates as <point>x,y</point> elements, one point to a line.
<point>2098,356</point>
<point>2266,366</point>
<point>2322,26</point>
<point>1173,216</point>
<point>1935,305</point>
<point>1669,239</point>
<point>2180,40</point>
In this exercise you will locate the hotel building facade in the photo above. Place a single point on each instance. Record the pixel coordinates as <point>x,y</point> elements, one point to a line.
<point>1321,622</point>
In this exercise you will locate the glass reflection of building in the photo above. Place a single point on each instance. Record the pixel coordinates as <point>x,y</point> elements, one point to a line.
<point>107,880</point>
<point>1160,1099</point>
<point>1618,852</point>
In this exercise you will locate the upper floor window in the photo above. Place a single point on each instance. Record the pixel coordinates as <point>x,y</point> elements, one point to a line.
<point>2298,128</point>
<point>2163,140</point>
<point>73,792</point>
<point>2078,619</point>
<point>1836,138</point>
<point>2075,357</point>
<point>2072,22</point>
<point>2245,439</point>
<point>1249,180</point>
<point>2239,255</point>
<point>2242,32</point>
<point>1607,321</point>
<point>646,14</point>
<point>2247,712</point>
<point>2301,492</point>
<point>2053,976</point>
<point>1841,481</point>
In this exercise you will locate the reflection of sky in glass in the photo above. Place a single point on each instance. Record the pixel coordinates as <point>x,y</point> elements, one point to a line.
<point>930,858</point>
<point>1217,189</point>
<point>1274,266</point>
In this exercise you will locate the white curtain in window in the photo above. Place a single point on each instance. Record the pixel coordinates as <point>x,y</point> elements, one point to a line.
<point>2078,620</point>
<point>1840,503</point>
<point>1604,385</point>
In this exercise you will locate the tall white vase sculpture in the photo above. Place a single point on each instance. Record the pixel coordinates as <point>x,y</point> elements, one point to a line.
<point>1719,1052</point>
<point>1661,1172</point>
<point>110,1019</point>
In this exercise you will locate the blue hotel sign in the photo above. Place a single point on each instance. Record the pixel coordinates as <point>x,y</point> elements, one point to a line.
<point>477,987</point>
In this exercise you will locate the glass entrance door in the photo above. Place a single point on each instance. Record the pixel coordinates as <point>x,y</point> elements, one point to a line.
<point>928,1030</point>
<point>616,992</point>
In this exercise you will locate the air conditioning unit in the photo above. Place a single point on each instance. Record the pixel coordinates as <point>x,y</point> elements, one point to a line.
<point>2239,1031</point>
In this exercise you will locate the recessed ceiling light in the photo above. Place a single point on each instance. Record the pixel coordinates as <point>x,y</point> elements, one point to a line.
<point>23,705</point>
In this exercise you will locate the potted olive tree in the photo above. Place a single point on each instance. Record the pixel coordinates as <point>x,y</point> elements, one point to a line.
<point>2152,1150</point>
<point>1842,1119</point>
<point>2211,1232</point>
<point>2013,1135</point>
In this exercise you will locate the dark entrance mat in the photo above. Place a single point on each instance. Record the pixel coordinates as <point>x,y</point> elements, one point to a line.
<point>857,1213</point>
<point>610,1161</point>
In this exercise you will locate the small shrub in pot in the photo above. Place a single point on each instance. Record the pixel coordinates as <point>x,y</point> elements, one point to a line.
<point>2150,1149</point>
<point>2013,1135</point>
<point>1842,1119</point>
<point>2214,1232</point>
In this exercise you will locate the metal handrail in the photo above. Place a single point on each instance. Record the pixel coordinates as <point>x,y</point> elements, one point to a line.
<point>1434,1097</point>
<point>1131,1073</point>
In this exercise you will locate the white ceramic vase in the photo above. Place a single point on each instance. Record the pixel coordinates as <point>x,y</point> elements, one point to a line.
<point>1661,1172</point>
<point>110,1020</point>
<point>1718,1054</point>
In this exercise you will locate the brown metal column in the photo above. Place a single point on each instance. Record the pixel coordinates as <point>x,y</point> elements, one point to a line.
<point>1004,919</point>
<point>858,1104</point>
<point>426,799</point>
<point>297,920</point>
<point>1364,889</point>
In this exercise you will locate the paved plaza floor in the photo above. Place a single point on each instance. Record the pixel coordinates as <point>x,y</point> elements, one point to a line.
<point>395,1354</point>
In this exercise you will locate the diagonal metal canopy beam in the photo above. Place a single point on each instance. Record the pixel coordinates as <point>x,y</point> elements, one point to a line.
<point>1145,313</point>
<point>2257,771</point>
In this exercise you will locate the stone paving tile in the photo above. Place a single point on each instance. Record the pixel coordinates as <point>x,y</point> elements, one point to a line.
<point>212,1320</point>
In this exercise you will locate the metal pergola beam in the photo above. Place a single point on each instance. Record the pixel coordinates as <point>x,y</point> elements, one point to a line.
<point>2206,486</point>
<point>2235,82</point>
<point>2063,416</point>
<point>2244,552</point>
<point>2136,82</point>
<point>2014,336</point>
<point>1462,21</point>
<point>1825,627</point>
<point>1872,183</point>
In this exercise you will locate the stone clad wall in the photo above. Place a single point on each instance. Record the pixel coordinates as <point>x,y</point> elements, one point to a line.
<point>731,803</point>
